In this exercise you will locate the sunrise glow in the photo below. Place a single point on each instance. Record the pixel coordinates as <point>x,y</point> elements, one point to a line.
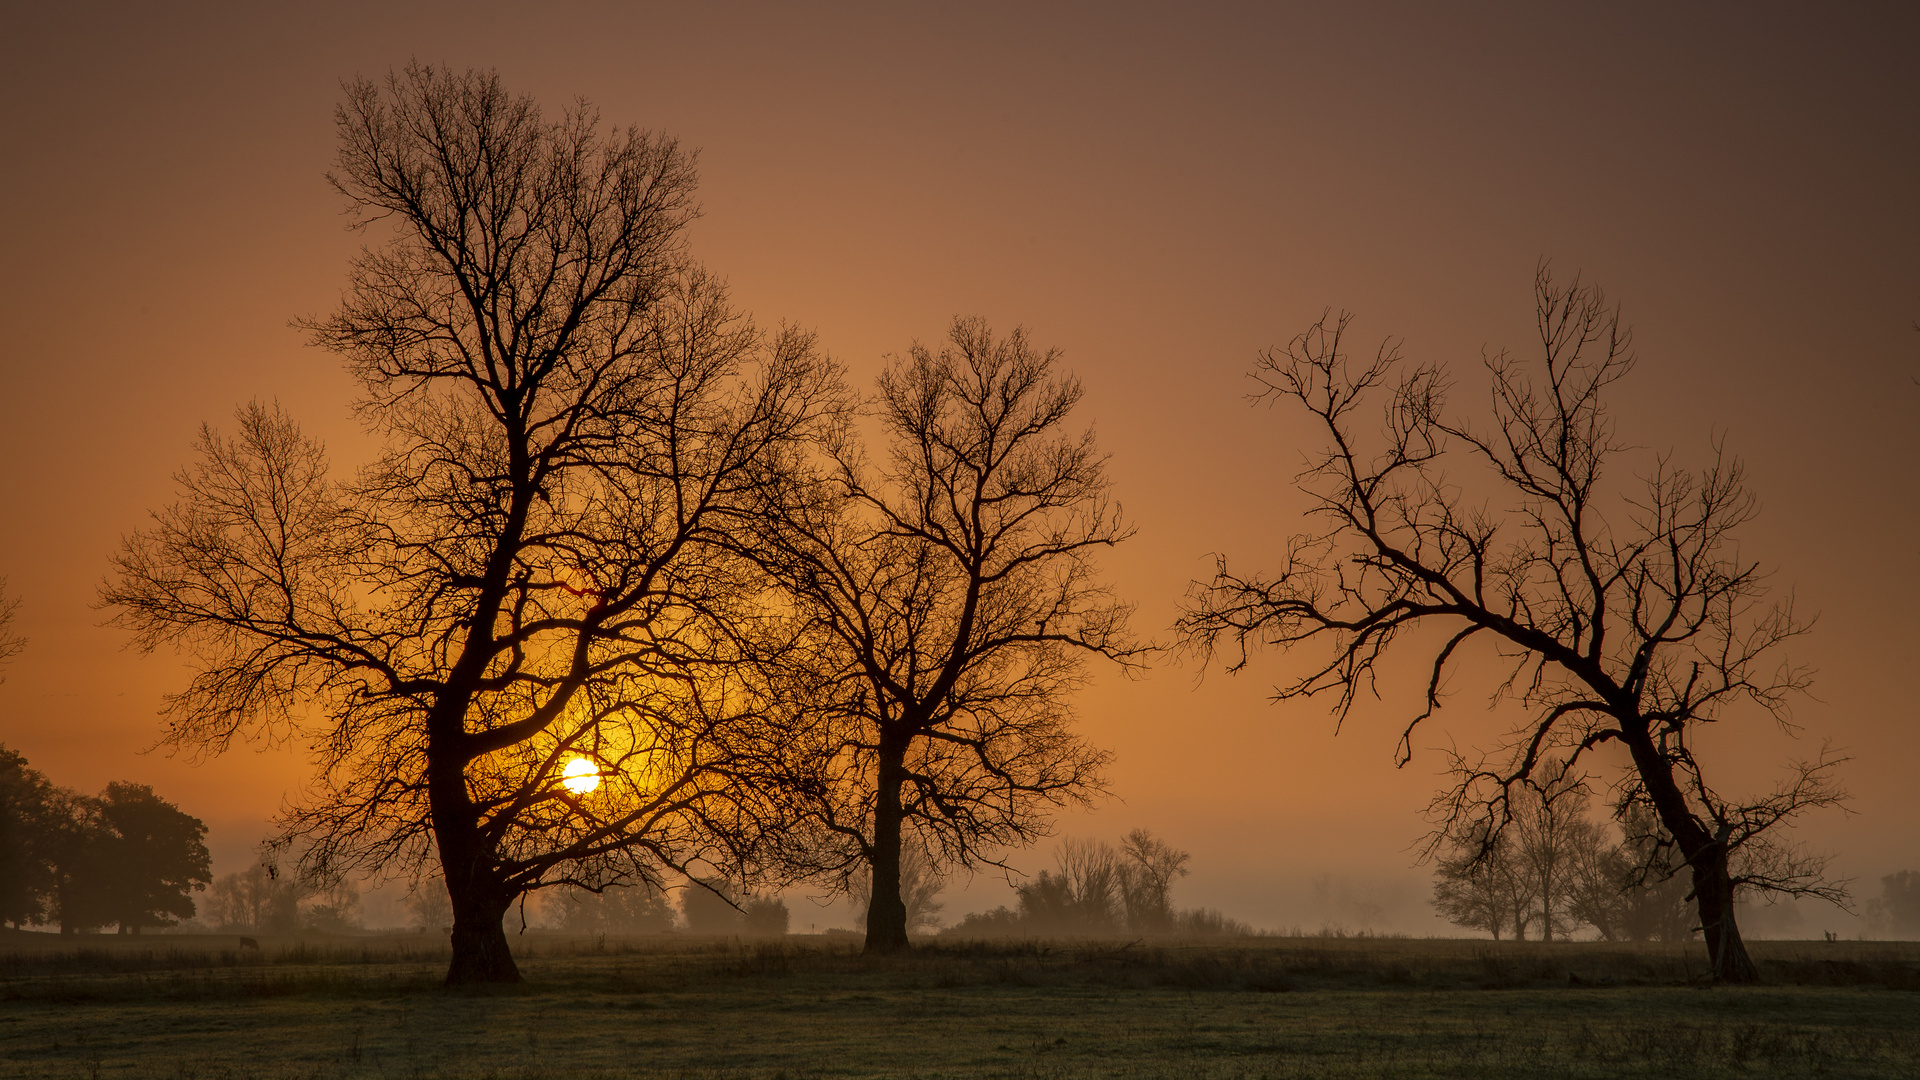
<point>580,776</point>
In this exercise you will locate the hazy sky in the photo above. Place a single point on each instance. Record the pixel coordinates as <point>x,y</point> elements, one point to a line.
<point>1161,193</point>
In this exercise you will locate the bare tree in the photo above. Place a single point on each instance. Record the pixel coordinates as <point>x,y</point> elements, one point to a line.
<point>509,638</point>
<point>1629,620</point>
<point>1630,891</point>
<point>1149,866</point>
<point>11,643</point>
<point>953,600</point>
<point>1478,885</point>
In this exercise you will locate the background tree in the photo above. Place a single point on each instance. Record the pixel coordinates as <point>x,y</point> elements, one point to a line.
<point>1478,885</point>
<point>616,910</point>
<point>1895,913</point>
<point>1631,891</point>
<point>125,856</point>
<point>952,600</point>
<point>1630,620</point>
<point>1547,871</point>
<point>538,568</point>
<point>11,644</point>
<point>154,858</point>
<point>920,883</point>
<point>258,898</point>
<point>83,866</point>
<point>27,829</point>
<point>1148,867</point>
<point>711,905</point>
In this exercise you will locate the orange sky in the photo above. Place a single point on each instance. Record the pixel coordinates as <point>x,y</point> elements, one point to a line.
<point>1160,194</point>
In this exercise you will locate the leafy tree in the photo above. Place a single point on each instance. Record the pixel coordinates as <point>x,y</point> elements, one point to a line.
<point>153,855</point>
<point>765,916</point>
<point>1896,911</point>
<point>27,849</point>
<point>1630,620</point>
<point>126,856</point>
<point>616,910</point>
<point>711,905</point>
<point>951,600</point>
<point>539,570</point>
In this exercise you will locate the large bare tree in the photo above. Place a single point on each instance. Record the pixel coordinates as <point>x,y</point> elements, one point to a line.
<point>1626,615</point>
<point>511,637</point>
<point>953,602</point>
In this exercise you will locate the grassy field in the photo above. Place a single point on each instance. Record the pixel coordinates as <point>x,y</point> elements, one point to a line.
<point>810,1007</point>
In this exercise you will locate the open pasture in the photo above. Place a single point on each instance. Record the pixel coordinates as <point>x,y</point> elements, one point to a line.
<point>811,1007</point>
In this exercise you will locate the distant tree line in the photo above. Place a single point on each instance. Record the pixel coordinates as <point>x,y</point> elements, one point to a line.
<point>125,857</point>
<point>262,899</point>
<point>1554,872</point>
<point>1096,889</point>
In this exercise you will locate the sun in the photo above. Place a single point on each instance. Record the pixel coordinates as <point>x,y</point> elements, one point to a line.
<point>580,776</point>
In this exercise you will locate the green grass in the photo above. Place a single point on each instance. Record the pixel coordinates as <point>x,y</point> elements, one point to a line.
<point>1285,1007</point>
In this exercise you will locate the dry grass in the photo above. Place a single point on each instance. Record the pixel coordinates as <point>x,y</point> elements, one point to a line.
<point>804,1007</point>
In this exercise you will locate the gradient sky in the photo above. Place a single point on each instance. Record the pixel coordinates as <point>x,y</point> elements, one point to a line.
<point>1160,193</point>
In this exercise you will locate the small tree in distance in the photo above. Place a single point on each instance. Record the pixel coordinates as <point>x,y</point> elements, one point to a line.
<point>1629,620</point>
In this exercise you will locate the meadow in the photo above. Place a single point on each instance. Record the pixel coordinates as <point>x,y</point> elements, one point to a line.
<point>674,1007</point>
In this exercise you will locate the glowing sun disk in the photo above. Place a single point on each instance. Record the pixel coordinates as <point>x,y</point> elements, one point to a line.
<point>580,776</point>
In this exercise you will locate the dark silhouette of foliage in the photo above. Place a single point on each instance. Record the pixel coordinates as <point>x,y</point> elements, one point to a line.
<point>636,909</point>
<point>1896,911</point>
<point>1630,620</point>
<point>27,847</point>
<point>1097,890</point>
<point>126,856</point>
<point>540,566</point>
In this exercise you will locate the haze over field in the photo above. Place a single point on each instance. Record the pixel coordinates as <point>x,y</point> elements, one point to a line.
<point>1161,195</point>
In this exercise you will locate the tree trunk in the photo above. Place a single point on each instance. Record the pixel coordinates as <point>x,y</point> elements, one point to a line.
<point>886,911</point>
<point>1713,893</point>
<point>1706,853</point>
<point>480,950</point>
<point>480,899</point>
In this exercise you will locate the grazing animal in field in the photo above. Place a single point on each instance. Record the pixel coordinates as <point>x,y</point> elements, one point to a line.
<point>249,943</point>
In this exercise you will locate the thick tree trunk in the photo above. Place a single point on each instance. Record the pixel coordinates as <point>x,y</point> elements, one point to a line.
<point>480,899</point>
<point>886,911</point>
<point>1713,893</point>
<point>480,951</point>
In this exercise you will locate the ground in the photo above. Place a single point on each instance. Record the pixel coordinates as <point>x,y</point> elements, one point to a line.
<point>811,1007</point>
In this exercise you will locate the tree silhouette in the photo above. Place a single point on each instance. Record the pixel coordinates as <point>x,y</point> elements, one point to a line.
<point>540,566</point>
<point>952,600</point>
<point>27,848</point>
<point>126,856</point>
<point>11,644</point>
<point>1630,620</point>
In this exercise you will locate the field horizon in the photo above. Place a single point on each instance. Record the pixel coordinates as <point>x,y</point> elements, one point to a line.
<point>811,1006</point>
